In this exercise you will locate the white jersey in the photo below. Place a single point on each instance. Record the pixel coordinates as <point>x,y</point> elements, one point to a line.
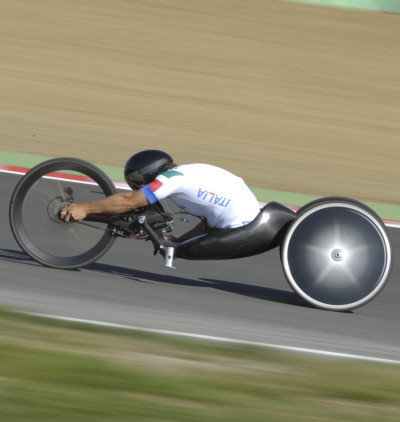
<point>206,191</point>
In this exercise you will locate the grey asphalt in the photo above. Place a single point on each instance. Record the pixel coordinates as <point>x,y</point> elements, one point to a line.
<point>247,299</point>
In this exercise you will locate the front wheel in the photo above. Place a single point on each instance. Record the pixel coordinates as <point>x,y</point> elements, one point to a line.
<point>34,213</point>
<point>337,254</point>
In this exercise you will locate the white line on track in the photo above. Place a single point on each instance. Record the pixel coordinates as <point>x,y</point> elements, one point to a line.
<point>216,339</point>
<point>394,225</point>
<point>12,171</point>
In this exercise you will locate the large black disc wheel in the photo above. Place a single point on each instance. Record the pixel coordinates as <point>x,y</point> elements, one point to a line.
<point>34,213</point>
<point>337,254</point>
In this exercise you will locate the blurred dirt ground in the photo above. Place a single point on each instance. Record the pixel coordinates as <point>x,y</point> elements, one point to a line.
<point>292,97</point>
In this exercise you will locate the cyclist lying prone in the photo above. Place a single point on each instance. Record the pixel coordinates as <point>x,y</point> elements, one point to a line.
<point>218,197</point>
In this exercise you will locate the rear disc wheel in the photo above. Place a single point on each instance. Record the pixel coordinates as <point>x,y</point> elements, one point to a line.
<point>337,254</point>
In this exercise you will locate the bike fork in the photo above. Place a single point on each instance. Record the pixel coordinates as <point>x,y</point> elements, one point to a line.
<point>169,251</point>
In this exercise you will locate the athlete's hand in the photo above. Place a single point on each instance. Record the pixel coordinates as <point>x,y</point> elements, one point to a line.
<point>74,212</point>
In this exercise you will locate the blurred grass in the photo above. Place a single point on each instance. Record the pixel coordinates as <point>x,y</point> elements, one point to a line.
<point>51,370</point>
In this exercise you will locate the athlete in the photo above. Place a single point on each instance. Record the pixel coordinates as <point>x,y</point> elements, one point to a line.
<point>219,198</point>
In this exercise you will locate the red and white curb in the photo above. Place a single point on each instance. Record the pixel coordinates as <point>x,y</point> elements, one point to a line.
<point>121,185</point>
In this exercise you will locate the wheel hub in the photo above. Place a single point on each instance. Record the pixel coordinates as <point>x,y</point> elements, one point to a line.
<point>337,255</point>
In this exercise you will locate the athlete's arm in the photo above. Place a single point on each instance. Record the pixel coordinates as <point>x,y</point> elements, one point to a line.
<point>118,203</point>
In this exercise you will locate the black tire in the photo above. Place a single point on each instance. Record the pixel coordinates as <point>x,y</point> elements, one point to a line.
<point>35,205</point>
<point>337,254</point>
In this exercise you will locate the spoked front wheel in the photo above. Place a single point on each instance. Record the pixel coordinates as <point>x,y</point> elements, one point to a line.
<point>34,213</point>
<point>337,254</point>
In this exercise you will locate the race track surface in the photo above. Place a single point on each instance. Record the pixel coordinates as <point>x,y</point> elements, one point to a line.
<point>246,299</point>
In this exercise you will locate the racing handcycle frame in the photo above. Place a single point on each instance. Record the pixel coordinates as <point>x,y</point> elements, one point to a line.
<point>335,252</point>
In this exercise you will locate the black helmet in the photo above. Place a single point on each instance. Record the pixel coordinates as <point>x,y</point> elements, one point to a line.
<point>144,166</point>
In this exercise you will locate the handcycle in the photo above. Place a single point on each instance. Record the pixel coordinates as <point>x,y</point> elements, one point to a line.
<point>335,252</point>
